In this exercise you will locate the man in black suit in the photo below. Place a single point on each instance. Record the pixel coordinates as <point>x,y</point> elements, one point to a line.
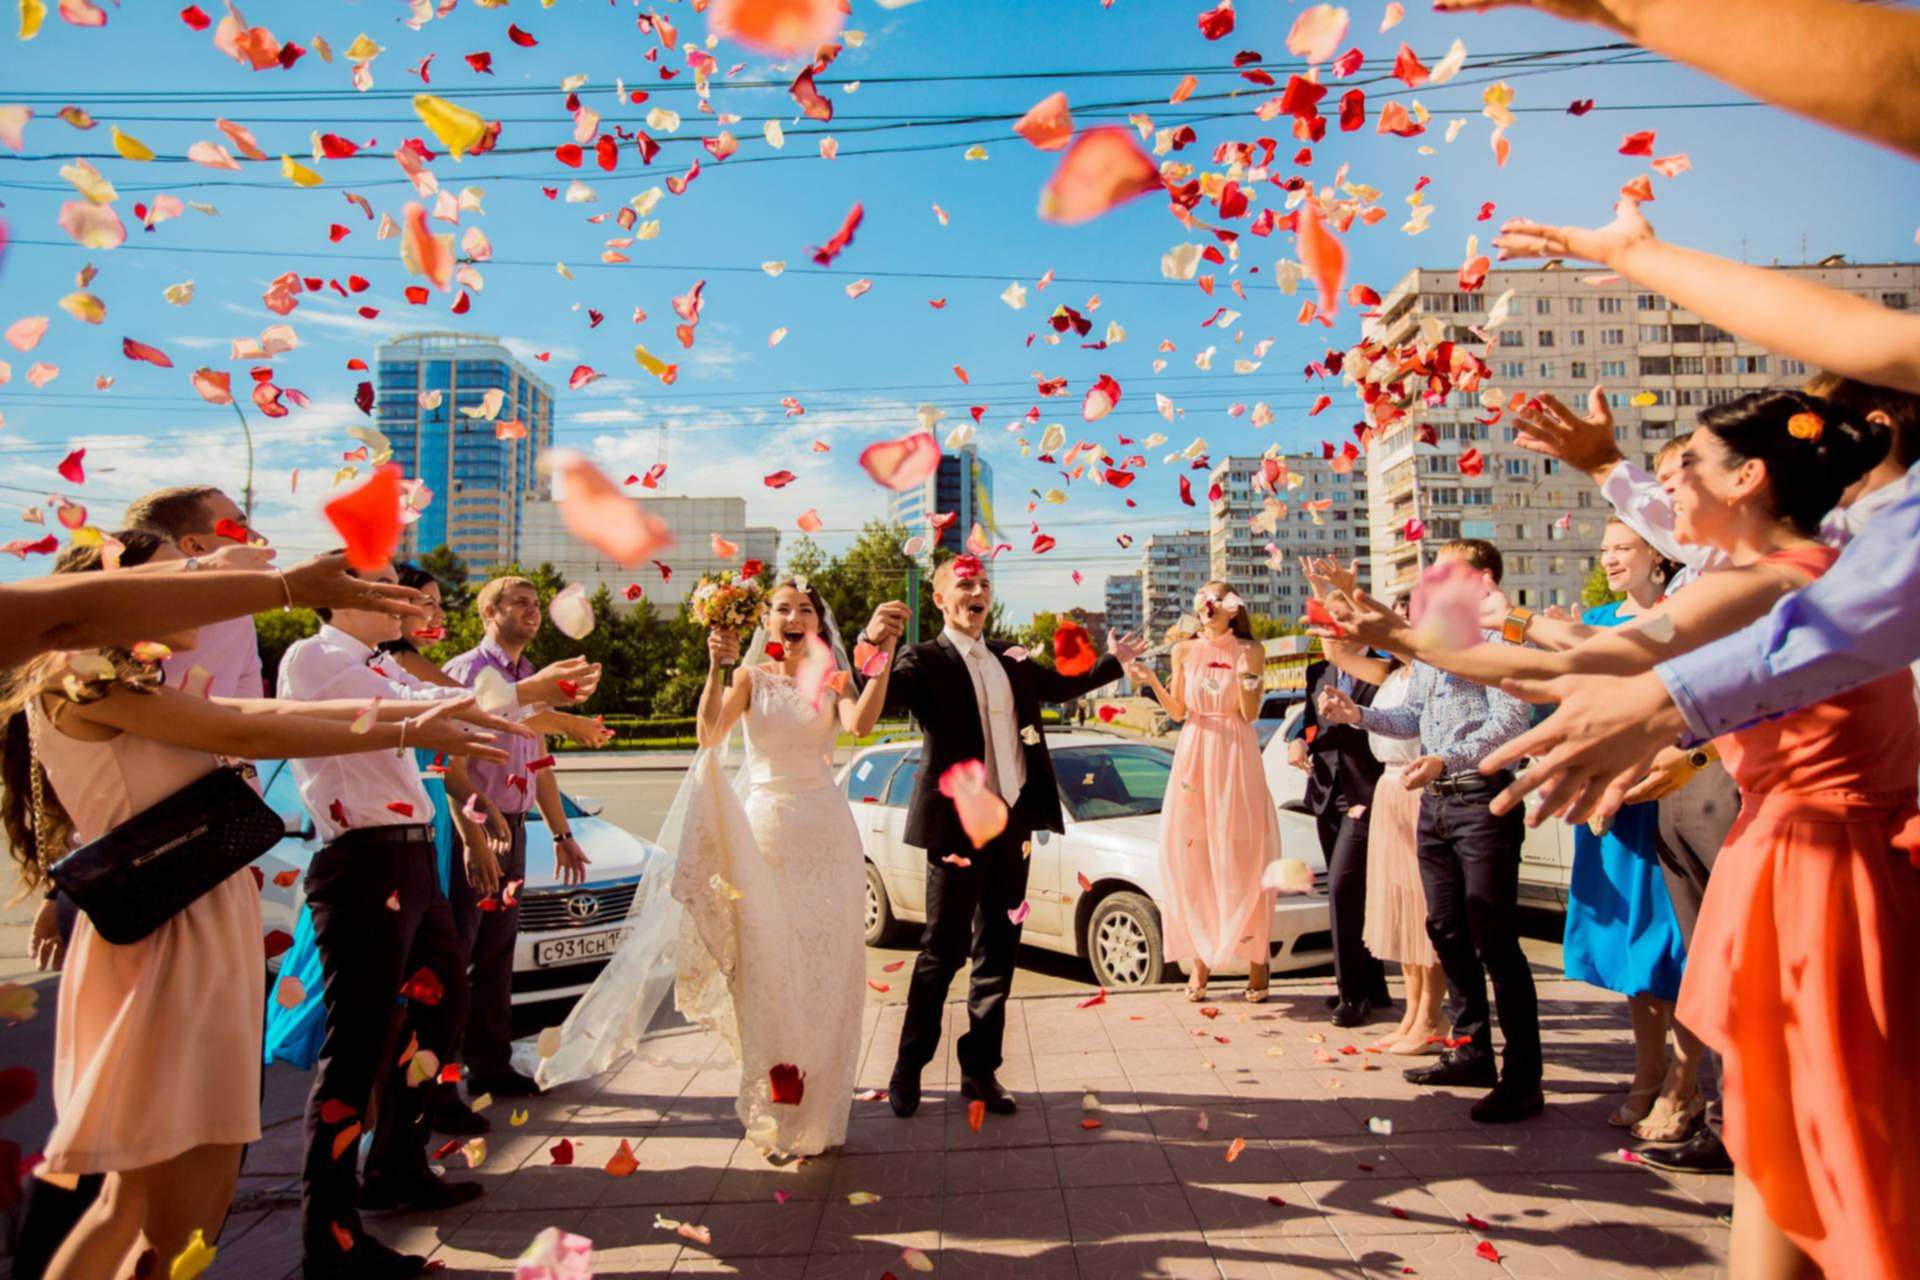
<point>976,701</point>
<point>1341,770</point>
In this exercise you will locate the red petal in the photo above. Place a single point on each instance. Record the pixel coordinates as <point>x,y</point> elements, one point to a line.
<point>424,986</point>
<point>1048,124</point>
<point>1637,144</point>
<point>368,519</point>
<point>1408,67</point>
<point>141,351</point>
<point>72,468</point>
<point>1102,168</point>
<point>194,16</point>
<point>481,62</point>
<point>1217,22</point>
<point>788,1082</point>
<point>522,38</point>
<point>823,255</point>
<point>903,463</point>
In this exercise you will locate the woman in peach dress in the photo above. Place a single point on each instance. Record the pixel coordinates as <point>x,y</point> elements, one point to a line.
<point>1218,826</point>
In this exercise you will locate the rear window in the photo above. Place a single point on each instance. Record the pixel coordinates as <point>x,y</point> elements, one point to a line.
<point>900,790</point>
<point>867,780</point>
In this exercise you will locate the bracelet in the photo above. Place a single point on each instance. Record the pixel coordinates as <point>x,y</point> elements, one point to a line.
<point>1514,629</point>
<point>286,587</point>
<point>403,738</point>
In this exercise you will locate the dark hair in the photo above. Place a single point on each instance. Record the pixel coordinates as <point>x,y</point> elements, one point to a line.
<point>1858,399</point>
<point>1479,553</point>
<point>1806,472</point>
<point>173,513</point>
<point>1238,623</point>
<point>412,575</point>
<point>27,682</point>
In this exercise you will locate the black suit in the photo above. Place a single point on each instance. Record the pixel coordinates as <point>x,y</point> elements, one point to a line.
<point>1341,775</point>
<point>972,902</point>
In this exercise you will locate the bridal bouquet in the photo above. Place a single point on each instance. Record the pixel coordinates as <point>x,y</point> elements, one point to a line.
<point>728,601</point>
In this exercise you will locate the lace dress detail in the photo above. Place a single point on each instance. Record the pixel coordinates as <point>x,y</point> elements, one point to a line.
<point>770,955</point>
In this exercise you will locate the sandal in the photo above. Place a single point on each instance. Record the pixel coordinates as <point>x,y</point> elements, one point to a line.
<point>1255,995</point>
<point>1670,1121</point>
<point>1196,995</point>
<point>1637,1107</point>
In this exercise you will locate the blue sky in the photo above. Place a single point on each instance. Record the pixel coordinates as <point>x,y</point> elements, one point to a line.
<point>1764,185</point>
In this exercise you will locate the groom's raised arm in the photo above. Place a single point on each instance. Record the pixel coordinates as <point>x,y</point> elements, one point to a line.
<point>1054,687</point>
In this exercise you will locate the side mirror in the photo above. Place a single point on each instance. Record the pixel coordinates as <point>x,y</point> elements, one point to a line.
<point>587,805</point>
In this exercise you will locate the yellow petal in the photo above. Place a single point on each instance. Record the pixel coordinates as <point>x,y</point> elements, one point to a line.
<point>192,1260</point>
<point>517,1118</point>
<point>84,307</point>
<point>88,181</point>
<point>1640,401</point>
<point>129,146</point>
<point>32,14</point>
<point>179,294</point>
<point>299,174</point>
<point>457,127</point>
<point>363,49</point>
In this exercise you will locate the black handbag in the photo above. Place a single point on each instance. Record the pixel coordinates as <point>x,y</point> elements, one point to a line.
<point>159,862</point>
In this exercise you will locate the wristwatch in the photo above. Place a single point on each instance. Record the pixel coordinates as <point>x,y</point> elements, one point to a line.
<point>1514,629</point>
<point>1699,757</point>
<point>562,835</point>
<point>192,565</point>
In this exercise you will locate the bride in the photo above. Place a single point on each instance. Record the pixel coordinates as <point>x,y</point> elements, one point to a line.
<point>755,915</point>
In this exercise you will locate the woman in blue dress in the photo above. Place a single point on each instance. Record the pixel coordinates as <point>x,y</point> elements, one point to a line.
<point>1621,931</point>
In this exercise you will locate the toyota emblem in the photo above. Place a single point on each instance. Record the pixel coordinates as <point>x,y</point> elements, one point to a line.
<point>583,906</point>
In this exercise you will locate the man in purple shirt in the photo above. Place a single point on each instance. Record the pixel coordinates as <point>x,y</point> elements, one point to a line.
<point>486,900</point>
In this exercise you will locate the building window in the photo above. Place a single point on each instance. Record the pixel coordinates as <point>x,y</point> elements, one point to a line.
<point>1543,306</point>
<point>1577,370</point>
<point>1655,366</point>
<point>1546,369</point>
<point>1576,337</point>
<point>1609,306</point>
<point>1897,301</point>
<point>1512,338</point>
<point>1445,497</point>
<point>1476,498</point>
<point>1655,333</point>
<point>1576,306</point>
<point>1513,368</point>
<point>1613,368</point>
<point>1518,468</point>
<point>1650,302</point>
<point>1689,364</point>
<point>1613,337</point>
<point>1793,368</point>
<point>1546,337</point>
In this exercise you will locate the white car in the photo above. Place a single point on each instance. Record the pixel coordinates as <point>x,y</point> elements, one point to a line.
<point>567,932</point>
<point>1546,858</point>
<point>1111,789</point>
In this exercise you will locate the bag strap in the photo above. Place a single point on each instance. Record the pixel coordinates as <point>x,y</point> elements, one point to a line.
<point>36,779</point>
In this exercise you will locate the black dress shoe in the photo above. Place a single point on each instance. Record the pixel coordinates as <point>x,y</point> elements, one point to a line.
<point>987,1089</point>
<point>1700,1153</point>
<point>453,1117</point>
<point>504,1084</point>
<point>425,1194</point>
<point>1455,1068</point>
<point>1508,1104</point>
<point>368,1260</point>
<point>1352,1015</point>
<point>903,1092</point>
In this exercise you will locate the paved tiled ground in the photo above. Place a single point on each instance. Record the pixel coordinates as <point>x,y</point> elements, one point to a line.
<point>1150,1192</point>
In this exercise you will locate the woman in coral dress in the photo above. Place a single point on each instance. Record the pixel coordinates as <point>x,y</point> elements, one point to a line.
<point>1218,827</point>
<point>1805,973</point>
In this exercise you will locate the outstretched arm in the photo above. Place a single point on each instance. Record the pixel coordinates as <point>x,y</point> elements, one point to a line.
<point>1773,309</point>
<point>1867,55</point>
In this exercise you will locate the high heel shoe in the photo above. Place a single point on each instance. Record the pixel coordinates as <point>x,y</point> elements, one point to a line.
<point>1196,994</point>
<point>1418,1044</point>
<point>1670,1121</point>
<point>1637,1107</point>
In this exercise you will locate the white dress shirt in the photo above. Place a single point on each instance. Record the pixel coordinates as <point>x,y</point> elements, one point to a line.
<point>993,694</point>
<point>333,664</point>
<point>227,651</point>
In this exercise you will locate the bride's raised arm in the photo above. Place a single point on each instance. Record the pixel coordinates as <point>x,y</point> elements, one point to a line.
<point>721,705</point>
<point>859,714</point>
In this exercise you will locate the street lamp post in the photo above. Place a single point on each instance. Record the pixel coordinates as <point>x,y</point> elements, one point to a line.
<point>246,505</point>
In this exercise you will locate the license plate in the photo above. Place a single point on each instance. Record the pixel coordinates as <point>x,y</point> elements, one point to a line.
<point>584,946</point>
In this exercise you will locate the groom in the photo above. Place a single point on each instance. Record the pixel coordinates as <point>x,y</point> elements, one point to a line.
<point>976,701</point>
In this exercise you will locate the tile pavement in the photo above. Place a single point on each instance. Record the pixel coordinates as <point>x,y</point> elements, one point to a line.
<point>1149,1192</point>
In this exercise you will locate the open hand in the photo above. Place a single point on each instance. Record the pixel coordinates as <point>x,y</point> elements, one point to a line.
<point>323,583</point>
<point>1361,619</point>
<point>1336,707</point>
<point>1608,245</point>
<point>1584,443</point>
<point>1127,648</point>
<point>569,861</point>
<point>561,683</point>
<point>440,729</point>
<point>483,869</point>
<point>1605,735</point>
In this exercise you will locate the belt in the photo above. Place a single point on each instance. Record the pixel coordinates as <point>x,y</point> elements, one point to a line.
<point>393,835</point>
<point>1468,782</point>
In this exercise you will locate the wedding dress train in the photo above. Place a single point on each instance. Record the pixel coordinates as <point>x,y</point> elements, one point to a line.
<point>754,918</point>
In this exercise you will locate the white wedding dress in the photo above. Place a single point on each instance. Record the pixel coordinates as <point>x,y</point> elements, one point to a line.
<point>756,920</point>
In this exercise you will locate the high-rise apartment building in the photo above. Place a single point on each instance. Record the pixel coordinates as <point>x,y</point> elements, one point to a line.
<point>1173,566</point>
<point>693,522</point>
<point>478,468</point>
<point>1124,606</point>
<point>1658,363</point>
<point>962,485</point>
<point>1325,514</point>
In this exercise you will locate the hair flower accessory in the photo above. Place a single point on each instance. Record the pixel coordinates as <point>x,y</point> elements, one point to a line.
<point>1806,426</point>
<point>1204,602</point>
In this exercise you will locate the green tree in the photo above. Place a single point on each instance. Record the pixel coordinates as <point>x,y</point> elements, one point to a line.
<point>1267,628</point>
<point>445,564</point>
<point>277,631</point>
<point>1594,592</point>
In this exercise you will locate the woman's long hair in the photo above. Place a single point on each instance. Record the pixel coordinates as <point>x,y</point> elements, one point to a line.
<point>38,829</point>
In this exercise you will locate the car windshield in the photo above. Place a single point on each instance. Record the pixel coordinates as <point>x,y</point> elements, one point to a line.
<point>1112,782</point>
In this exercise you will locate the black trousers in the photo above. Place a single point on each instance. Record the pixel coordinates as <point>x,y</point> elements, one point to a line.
<point>967,914</point>
<point>1470,865</point>
<point>368,951</point>
<point>486,1042</point>
<point>1343,842</point>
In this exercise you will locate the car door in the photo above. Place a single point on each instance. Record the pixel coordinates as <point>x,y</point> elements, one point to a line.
<point>866,787</point>
<point>905,866</point>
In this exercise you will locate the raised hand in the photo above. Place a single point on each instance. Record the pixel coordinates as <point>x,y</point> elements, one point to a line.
<point>1336,707</point>
<point>1362,620</point>
<point>888,624</point>
<point>1128,648</point>
<point>1584,443</point>
<point>568,681</point>
<point>1326,575</point>
<point>723,647</point>
<point>441,729</point>
<point>323,583</point>
<point>1520,238</point>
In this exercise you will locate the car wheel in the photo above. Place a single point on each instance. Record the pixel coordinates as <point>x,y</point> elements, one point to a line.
<point>881,926</point>
<point>1123,941</point>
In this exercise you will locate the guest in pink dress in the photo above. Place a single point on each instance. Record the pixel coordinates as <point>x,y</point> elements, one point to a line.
<point>1218,826</point>
<point>156,1067</point>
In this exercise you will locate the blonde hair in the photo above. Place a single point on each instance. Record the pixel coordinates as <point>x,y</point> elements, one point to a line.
<point>489,596</point>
